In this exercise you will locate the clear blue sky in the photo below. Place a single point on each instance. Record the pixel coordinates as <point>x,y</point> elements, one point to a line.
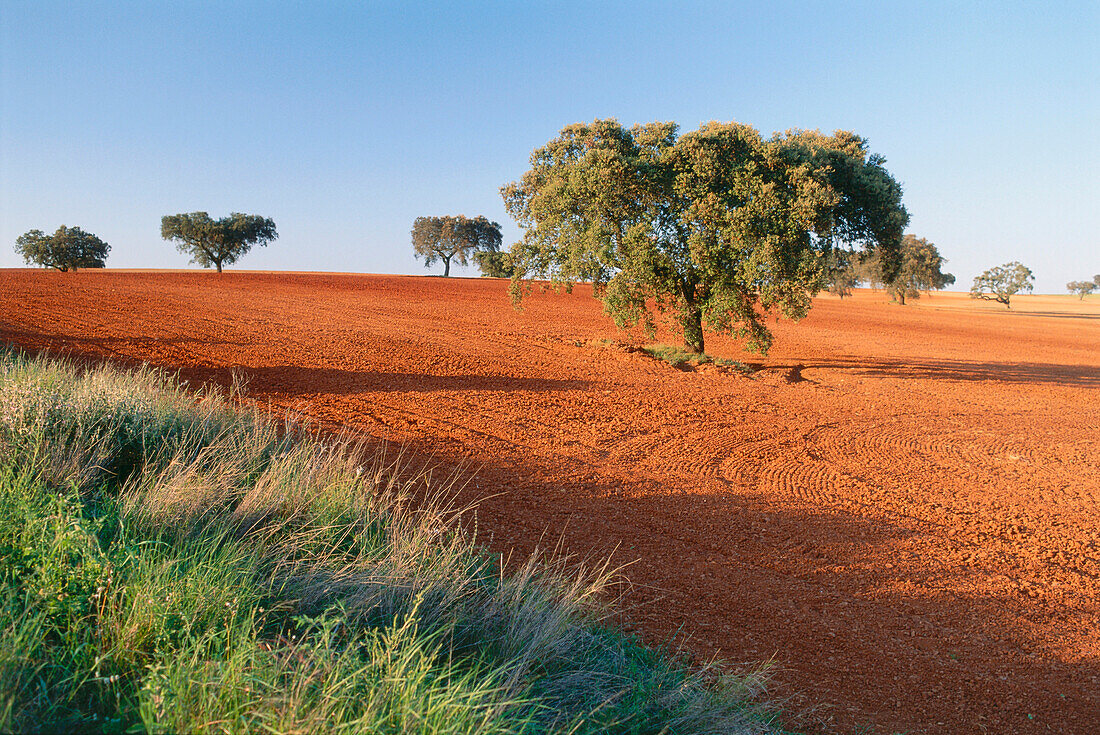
<point>344,121</point>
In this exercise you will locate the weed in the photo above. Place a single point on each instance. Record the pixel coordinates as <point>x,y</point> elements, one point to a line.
<point>683,360</point>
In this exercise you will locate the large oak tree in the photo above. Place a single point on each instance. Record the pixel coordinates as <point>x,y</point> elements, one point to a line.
<point>212,242</point>
<point>720,226</point>
<point>67,249</point>
<point>453,238</point>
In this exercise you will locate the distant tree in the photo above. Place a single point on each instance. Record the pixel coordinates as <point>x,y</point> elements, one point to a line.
<point>719,226</point>
<point>220,242</point>
<point>1000,284</point>
<point>841,274</point>
<point>1083,288</point>
<point>919,270</point>
<point>868,269</point>
<point>494,264</point>
<point>67,249</point>
<point>455,238</point>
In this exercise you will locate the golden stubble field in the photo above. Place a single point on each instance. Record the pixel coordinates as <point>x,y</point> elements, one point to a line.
<point>901,505</point>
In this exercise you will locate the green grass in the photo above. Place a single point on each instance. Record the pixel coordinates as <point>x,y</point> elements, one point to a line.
<point>170,563</point>
<point>681,359</point>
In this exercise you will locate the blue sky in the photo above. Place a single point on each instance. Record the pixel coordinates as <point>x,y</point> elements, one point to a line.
<point>344,121</point>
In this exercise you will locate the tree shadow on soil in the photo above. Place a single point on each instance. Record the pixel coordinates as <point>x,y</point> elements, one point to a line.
<point>1056,314</point>
<point>60,344</point>
<point>959,370</point>
<point>865,630</point>
<point>295,380</point>
<point>288,380</point>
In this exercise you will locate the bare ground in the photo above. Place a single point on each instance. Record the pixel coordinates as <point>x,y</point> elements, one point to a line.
<point>900,505</point>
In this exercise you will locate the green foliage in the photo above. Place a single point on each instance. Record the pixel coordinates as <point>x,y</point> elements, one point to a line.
<point>867,268</point>
<point>719,226</point>
<point>920,269</point>
<point>67,249</point>
<point>220,242</point>
<point>683,360</point>
<point>243,578</point>
<point>841,274</point>
<point>1083,288</point>
<point>1000,284</point>
<point>52,574</point>
<point>453,237</point>
<point>674,356</point>
<point>494,264</point>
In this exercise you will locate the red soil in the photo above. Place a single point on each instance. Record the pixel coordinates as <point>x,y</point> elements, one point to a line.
<point>901,507</point>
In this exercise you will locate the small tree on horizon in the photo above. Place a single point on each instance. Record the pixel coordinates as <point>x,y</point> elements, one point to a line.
<point>920,270</point>
<point>220,242</point>
<point>67,249</point>
<point>1083,288</point>
<point>455,238</point>
<point>869,270</point>
<point>841,274</point>
<point>1003,282</point>
<point>494,264</point>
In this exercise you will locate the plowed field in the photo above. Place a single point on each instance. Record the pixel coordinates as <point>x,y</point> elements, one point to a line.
<point>901,505</point>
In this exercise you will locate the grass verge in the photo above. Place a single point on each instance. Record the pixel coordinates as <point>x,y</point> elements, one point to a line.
<point>170,563</point>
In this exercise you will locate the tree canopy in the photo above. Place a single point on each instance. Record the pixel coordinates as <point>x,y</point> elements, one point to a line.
<point>1000,284</point>
<point>919,269</point>
<point>841,272</point>
<point>1083,288</point>
<point>453,238</point>
<point>220,242</point>
<point>67,249</point>
<point>494,264</point>
<point>718,226</point>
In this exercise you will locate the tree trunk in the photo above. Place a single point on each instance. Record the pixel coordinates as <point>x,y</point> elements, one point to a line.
<point>218,265</point>
<point>446,267</point>
<point>691,316</point>
<point>692,322</point>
